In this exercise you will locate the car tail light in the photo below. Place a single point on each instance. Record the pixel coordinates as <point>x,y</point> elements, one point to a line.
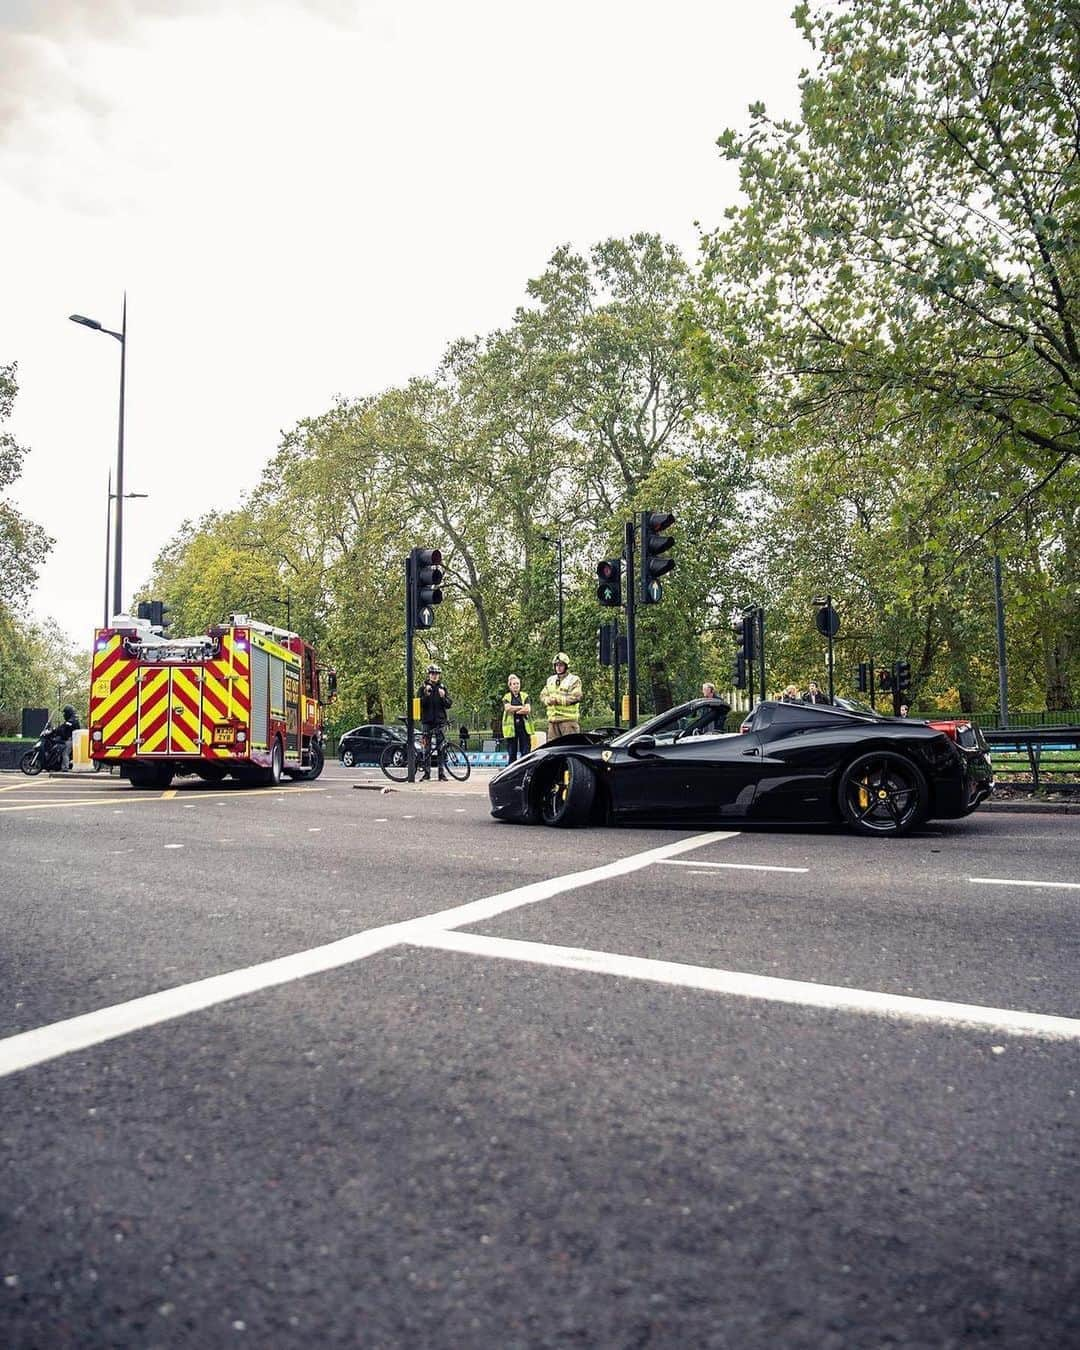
<point>963,733</point>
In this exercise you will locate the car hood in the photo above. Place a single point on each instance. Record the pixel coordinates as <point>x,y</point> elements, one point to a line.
<point>578,738</point>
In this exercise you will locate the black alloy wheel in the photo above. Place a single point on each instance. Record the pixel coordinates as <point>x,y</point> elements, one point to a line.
<point>883,793</point>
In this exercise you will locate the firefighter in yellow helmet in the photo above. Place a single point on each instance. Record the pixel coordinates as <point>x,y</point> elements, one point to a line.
<point>561,696</point>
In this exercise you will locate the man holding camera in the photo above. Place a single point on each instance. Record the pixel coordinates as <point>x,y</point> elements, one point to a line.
<point>435,701</point>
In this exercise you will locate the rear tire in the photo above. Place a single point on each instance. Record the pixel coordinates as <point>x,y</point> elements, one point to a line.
<point>276,771</point>
<point>315,767</point>
<point>883,793</point>
<point>211,773</point>
<point>567,798</point>
<point>157,776</point>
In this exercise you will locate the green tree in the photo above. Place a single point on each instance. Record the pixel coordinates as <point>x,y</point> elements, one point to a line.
<point>905,270</point>
<point>23,545</point>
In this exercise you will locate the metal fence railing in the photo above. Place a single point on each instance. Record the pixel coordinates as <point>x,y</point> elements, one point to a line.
<point>1046,756</point>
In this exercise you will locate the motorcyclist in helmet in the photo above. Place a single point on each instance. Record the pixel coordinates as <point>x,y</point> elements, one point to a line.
<point>63,735</point>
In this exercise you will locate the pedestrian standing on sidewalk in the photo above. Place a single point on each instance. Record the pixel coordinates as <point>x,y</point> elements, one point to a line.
<point>517,723</point>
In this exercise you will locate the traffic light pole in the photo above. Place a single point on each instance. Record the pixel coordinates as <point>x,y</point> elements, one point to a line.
<point>631,624</point>
<point>761,650</point>
<point>409,675</point>
<point>829,634</point>
<point>615,658</point>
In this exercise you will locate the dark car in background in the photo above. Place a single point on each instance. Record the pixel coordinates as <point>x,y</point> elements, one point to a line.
<point>364,745</point>
<point>798,762</point>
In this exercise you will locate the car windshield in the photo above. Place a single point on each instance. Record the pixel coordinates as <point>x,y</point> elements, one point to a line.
<point>700,718</point>
<point>858,706</point>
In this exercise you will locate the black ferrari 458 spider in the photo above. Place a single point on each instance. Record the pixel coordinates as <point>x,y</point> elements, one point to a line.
<point>789,762</point>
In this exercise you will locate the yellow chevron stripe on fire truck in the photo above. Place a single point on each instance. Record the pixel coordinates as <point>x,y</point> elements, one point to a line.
<point>117,692</point>
<point>153,710</point>
<point>184,711</point>
<point>117,716</point>
<point>215,701</point>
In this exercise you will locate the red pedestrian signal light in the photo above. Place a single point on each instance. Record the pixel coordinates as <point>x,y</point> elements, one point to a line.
<point>609,574</point>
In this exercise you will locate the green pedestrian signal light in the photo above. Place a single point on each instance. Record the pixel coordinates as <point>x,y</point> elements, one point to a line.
<point>609,590</point>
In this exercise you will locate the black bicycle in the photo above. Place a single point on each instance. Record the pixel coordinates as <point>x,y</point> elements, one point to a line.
<point>394,762</point>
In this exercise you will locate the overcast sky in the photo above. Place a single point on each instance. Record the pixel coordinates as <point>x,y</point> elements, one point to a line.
<point>305,199</point>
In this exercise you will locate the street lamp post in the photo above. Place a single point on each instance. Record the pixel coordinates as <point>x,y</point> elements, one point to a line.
<point>550,539</point>
<point>108,540</point>
<point>118,549</point>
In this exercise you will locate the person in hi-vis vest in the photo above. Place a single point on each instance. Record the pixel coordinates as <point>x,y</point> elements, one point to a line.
<point>561,696</point>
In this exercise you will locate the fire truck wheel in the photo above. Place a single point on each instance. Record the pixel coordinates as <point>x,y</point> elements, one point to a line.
<point>276,770</point>
<point>211,773</point>
<point>150,776</point>
<point>315,768</point>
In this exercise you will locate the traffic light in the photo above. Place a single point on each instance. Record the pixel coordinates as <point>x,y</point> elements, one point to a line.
<point>155,612</point>
<point>901,676</point>
<point>425,591</point>
<point>827,621</point>
<point>609,591</point>
<point>738,670</point>
<point>864,677</point>
<point>654,543</point>
<point>744,629</point>
<point>884,680</point>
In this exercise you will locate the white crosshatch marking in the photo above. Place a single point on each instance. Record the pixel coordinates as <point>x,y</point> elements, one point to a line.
<point>437,932</point>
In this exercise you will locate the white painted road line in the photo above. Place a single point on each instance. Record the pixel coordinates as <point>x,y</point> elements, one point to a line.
<point>830,997</point>
<point>736,867</point>
<point>80,1033</point>
<point>1009,881</point>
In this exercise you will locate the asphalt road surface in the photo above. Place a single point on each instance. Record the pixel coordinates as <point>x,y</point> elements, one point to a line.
<point>325,1066</point>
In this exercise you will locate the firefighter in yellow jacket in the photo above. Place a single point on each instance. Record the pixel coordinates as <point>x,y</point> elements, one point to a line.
<point>561,696</point>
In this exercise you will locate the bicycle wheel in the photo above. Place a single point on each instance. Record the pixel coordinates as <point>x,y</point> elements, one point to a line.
<point>394,761</point>
<point>457,763</point>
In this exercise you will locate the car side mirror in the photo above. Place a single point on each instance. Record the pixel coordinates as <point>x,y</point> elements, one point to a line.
<point>644,745</point>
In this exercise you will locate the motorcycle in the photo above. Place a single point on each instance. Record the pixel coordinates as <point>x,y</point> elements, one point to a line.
<point>47,753</point>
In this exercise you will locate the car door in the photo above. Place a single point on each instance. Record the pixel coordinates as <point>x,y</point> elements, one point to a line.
<point>709,776</point>
<point>370,744</point>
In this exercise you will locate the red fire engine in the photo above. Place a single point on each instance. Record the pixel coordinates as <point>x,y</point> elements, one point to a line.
<point>245,699</point>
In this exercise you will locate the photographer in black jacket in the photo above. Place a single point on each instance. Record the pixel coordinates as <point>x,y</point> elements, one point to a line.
<point>435,701</point>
